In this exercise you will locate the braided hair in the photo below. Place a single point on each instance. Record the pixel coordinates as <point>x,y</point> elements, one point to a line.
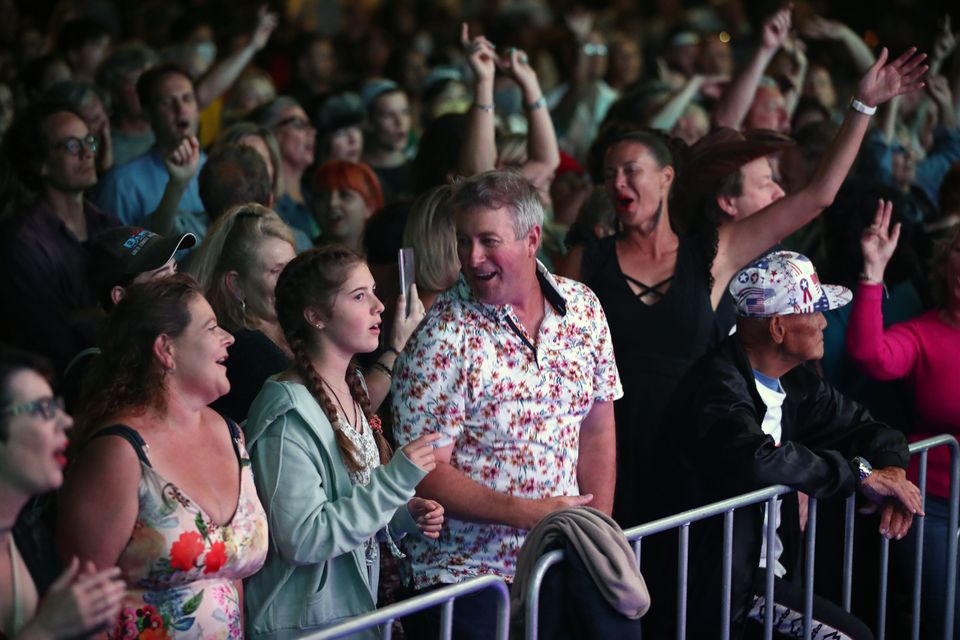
<point>312,279</point>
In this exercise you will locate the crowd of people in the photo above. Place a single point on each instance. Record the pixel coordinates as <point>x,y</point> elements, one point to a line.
<point>615,213</point>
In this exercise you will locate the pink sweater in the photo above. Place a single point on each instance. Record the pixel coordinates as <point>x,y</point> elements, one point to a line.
<point>925,351</point>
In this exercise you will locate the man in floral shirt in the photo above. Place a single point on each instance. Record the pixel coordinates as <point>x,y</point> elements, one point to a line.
<point>516,366</point>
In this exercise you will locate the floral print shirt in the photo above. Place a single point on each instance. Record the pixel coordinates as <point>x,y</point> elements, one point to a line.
<point>512,405</point>
<point>180,567</point>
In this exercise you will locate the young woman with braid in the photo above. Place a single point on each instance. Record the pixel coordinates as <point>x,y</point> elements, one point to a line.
<point>328,481</point>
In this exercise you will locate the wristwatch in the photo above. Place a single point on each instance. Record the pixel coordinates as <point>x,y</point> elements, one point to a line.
<point>862,468</point>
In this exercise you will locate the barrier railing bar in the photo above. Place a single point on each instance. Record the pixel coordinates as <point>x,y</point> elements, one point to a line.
<point>391,612</point>
<point>811,531</point>
<point>848,530</point>
<point>682,560</point>
<point>727,575</point>
<point>882,595</point>
<point>951,589</point>
<point>918,525</point>
<point>771,535</point>
<point>532,612</point>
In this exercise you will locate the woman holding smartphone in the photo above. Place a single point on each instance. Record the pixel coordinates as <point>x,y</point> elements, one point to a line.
<point>331,486</point>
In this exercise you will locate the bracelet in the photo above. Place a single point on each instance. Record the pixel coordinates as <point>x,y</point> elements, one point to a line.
<point>379,366</point>
<point>868,280</point>
<point>536,104</point>
<point>391,350</point>
<point>484,107</point>
<point>866,110</point>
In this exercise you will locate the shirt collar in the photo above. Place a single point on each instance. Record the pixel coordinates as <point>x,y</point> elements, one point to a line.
<point>546,280</point>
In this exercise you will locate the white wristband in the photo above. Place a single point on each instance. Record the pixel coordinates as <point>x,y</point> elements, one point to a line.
<point>856,105</point>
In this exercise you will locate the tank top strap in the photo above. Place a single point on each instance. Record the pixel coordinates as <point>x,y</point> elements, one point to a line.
<point>129,434</point>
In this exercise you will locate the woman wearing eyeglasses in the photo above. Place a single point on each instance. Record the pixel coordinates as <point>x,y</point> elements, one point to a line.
<point>33,439</point>
<point>161,485</point>
<point>297,140</point>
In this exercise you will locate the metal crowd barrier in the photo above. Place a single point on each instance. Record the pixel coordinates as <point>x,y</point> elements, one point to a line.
<point>443,597</point>
<point>682,521</point>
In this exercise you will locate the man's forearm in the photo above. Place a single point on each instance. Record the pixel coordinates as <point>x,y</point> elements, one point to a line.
<point>596,466</point>
<point>736,100</point>
<point>465,499</point>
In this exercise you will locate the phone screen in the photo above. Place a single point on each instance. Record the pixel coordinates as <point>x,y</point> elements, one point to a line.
<point>407,274</point>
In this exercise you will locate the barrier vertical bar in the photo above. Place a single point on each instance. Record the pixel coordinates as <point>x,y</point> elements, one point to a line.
<point>951,589</point>
<point>809,568</point>
<point>387,632</point>
<point>882,604</point>
<point>636,549</point>
<point>848,528</point>
<point>771,534</point>
<point>446,620</point>
<point>682,562</point>
<point>727,575</point>
<point>918,526</point>
<point>532,613</point>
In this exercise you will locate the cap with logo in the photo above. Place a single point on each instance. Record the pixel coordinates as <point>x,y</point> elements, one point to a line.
<point>122,253</point>
<point>784,283</point>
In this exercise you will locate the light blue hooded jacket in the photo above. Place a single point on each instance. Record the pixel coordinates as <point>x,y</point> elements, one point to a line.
<point>315,574</point>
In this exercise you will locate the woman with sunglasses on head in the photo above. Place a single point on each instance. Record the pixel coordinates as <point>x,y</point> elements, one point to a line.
<point>33,439</point>
<point>297,140</point>
<point>331,486</point>
<point>161,485</point>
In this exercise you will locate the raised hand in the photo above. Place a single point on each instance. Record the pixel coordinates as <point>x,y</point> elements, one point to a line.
<point>777,28</point>
<point>819,28</point>
<point>517,64</point>
<point>884,81</point>
<point>945,42</point>
<point>879,241</point>
<point>428,514</point>
<point>78,603</point>
<point>182,163</point>
<point>481,54</point>
<point>403,324</point>
<point>267,21</point>
<point>939,89</point>
<point>420,451</point>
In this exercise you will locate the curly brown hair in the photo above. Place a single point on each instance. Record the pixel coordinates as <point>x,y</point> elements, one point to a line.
<point>126,376</point>
<point>312,279</point>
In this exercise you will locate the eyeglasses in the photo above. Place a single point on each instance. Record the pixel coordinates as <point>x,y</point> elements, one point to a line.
<point>74,145</point>
<point>591,49</point>
<point>298,123</point>
<point>46,408</point>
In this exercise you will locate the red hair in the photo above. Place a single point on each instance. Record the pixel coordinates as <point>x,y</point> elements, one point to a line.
<point>356,176</point>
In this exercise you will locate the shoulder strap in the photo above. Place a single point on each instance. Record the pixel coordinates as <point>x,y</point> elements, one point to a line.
<point>129,434</point>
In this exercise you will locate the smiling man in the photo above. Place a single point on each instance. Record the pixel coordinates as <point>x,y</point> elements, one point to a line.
<point>749,415</point>
<point>515,366</point>
<point>166,175</point>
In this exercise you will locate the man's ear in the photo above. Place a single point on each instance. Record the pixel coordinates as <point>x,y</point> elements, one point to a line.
<point>667,175</point>
<point>533,239</point>
<point>116,294</point>
<point>777,328</point>
<point>314,318</point>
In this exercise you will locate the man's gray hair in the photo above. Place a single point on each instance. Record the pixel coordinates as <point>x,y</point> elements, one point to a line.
<point>501,189</point>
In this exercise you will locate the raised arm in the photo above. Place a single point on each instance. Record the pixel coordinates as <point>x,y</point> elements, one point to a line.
<point>736,100</point>
<point>818,28</point>
<point>181,164</point>
<point>745,239</point>
<point>225,72</point>
<point>885,356</point>
<point>543,153</point>
<point>668,115</point>
<point>479,150</point>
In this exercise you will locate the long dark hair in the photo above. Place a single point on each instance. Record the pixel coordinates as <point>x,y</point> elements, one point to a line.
<point>313,279</point>
<point>126,376</point>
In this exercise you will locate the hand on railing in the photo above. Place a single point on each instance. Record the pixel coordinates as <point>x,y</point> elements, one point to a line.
<point>897,499</point>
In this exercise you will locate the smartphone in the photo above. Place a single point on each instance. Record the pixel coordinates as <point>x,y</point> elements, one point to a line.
<point>407,275</point>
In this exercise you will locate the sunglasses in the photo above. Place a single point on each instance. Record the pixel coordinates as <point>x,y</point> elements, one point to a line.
<point>46,408</point>
<point>298,123</point>
<point>74,145</point>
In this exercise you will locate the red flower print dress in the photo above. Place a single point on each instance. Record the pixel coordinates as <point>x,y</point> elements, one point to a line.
<point>179,566</point>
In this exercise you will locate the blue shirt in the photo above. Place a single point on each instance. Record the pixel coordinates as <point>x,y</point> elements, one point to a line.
<point>133,190</point>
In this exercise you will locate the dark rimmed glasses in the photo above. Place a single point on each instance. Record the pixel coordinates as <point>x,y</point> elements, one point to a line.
<point>73,145</point>
<point>46,408</point>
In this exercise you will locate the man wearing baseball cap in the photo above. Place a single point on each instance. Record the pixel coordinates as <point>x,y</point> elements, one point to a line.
<point>128,255</point>
<point>749,415</point>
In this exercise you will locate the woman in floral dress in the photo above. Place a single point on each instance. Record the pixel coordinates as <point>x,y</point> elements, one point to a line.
<point>161,485</point>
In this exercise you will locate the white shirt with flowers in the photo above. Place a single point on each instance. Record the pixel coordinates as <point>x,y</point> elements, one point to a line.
<point>513,407</point>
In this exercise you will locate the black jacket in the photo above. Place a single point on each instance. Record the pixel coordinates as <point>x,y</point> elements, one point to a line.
<point>712,447</point>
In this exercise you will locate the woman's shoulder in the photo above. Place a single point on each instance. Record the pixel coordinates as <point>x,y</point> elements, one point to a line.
<point>287,399</point>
